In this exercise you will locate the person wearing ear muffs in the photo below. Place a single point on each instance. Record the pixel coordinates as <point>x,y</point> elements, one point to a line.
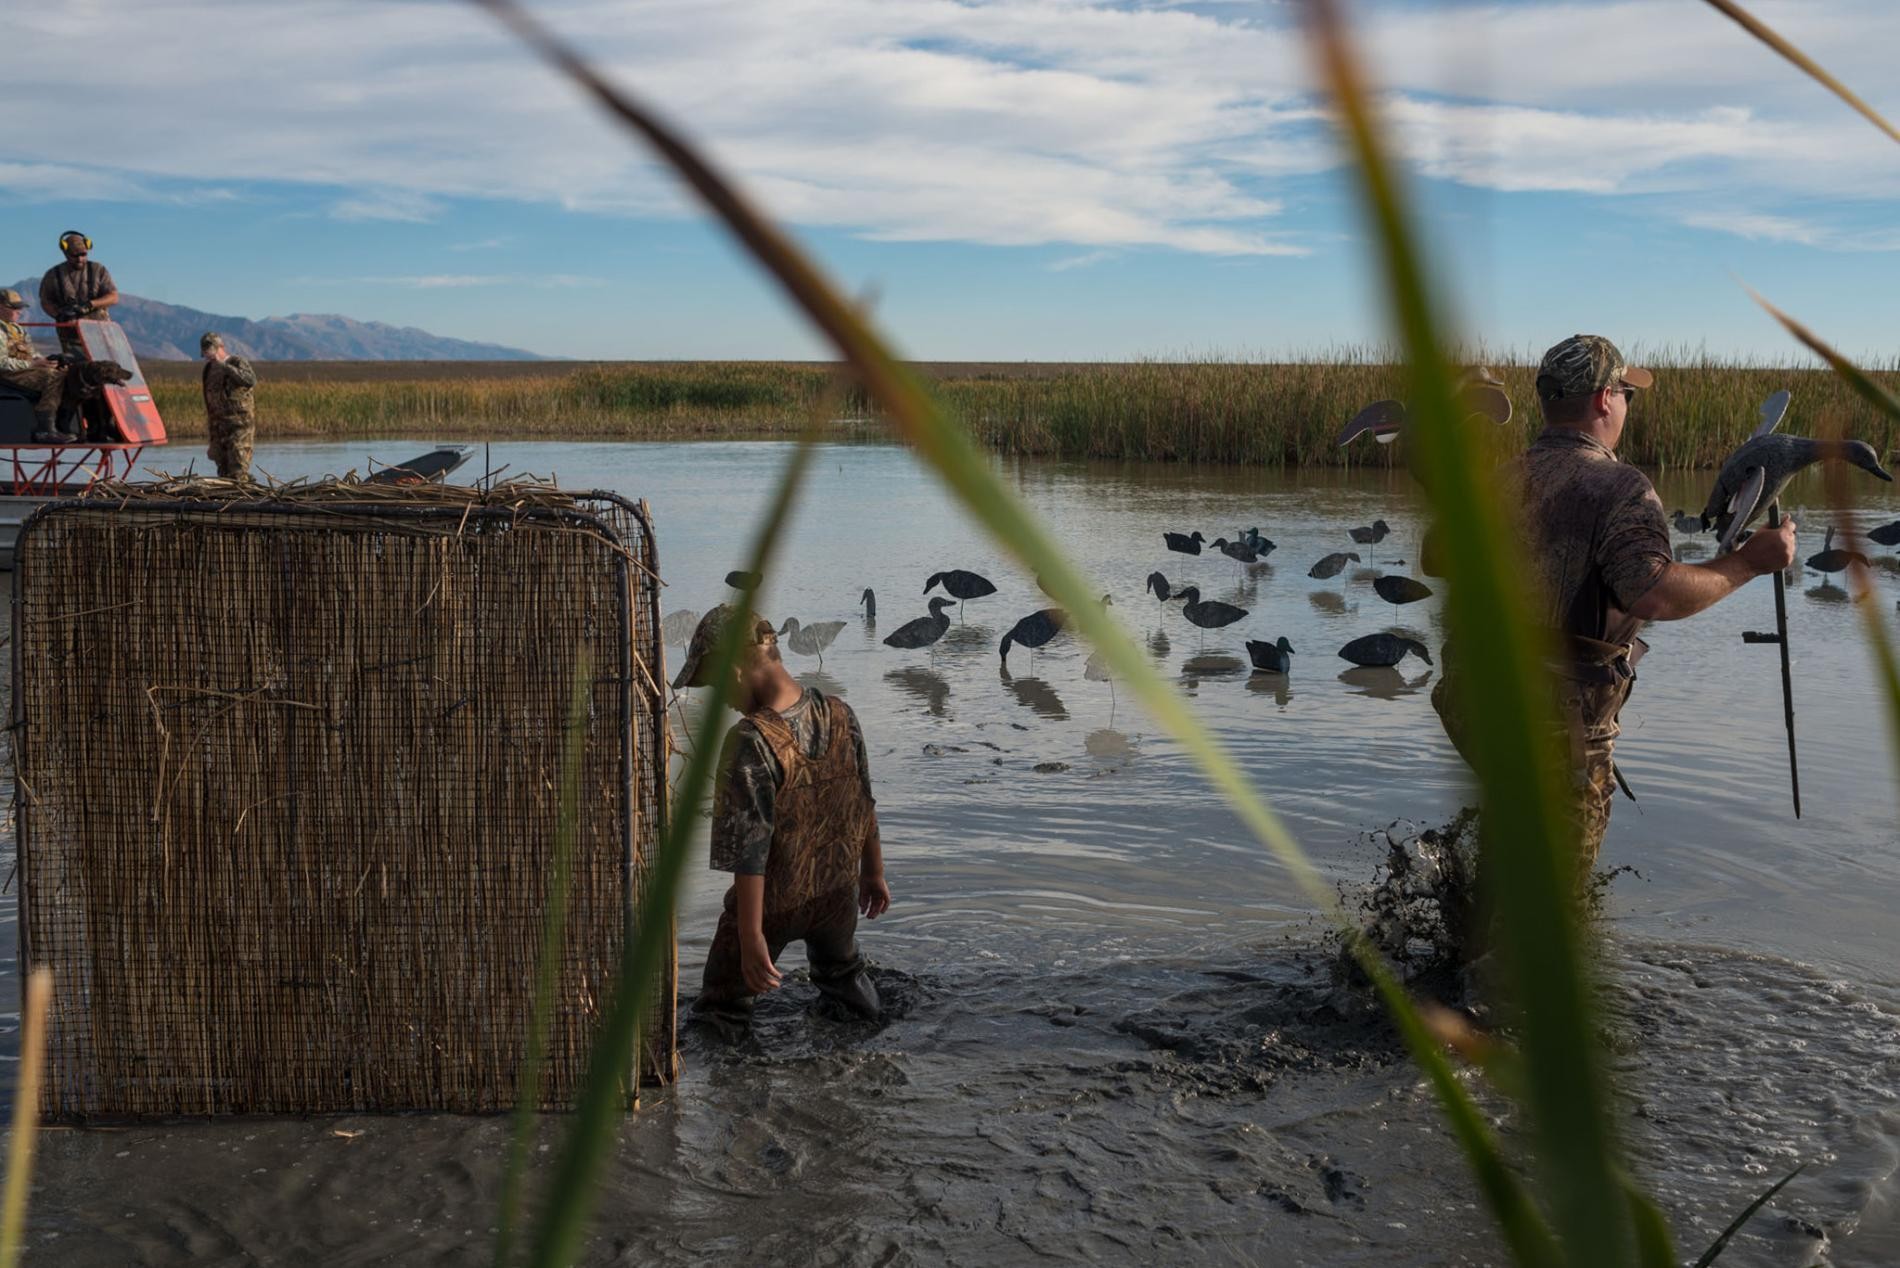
<point>78,290</point>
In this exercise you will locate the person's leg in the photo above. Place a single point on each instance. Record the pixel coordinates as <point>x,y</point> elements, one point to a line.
<point>47,383</point>
<point>723,994</point>
<point>240,450</point>
<point>831,944</point>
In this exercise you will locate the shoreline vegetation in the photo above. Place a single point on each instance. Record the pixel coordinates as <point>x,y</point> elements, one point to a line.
<point>1201,411</point>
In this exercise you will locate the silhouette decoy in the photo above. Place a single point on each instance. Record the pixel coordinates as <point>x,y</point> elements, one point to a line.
<point>1380,650</point>
<point>1396,589</point>
<point>1239,551</point>
<point>676,628</point>
<point>1159,588</point>
<point>1832,560</point>
<point>869,600</point>
<point>1333,564</point>
<point>1755,475</point>
<point>1479,391</point>
<point>1372,534</point>
<point>1688,524</point>
<point>810,640</point>
<point>1033,631</point>
<point>1885,535</point>
<point>923,631</point>
<point>739,579</point>
<point>1184,543</point>
<point>1209,615</point>
<point>1262,546</point>
<point>962,585</point>
<point>1270,658</point>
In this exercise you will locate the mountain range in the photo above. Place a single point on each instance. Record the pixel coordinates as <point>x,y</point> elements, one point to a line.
<point>169,332</point>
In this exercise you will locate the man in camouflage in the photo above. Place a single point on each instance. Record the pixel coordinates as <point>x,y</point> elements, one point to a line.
<point>77,290</point>
<point>24,368</point>
<point>229,416</point>
<point>795,823</point>
<point>1602,564</point>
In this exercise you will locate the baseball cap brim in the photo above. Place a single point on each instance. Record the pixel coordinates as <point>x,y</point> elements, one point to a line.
<point>688,672</point>
<point>1635,377</point>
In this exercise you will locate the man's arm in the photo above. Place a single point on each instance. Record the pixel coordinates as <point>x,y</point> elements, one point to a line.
<point>110,295</point>
<point>744,806</point>
<point>240,370</point>
<point>49,294</point>
<point>755,954</point>
<point>874,895</point>
<point>1686,589</point>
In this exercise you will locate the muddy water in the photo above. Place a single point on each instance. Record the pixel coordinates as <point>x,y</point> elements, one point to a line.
<point>1113,1034</point>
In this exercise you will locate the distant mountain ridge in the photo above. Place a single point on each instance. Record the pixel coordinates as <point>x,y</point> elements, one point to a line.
<point>169,332</point>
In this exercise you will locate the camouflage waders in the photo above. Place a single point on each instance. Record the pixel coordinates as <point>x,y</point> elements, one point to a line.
<point>820,820</point>
<point>230,446</point>
<point>229,401</point>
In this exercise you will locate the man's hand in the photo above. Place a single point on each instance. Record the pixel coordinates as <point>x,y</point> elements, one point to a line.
<point>44,362</point>
<point>220,354</point>
<point>755,963</point>
<point>874,896</point>
<point>1769,549</point>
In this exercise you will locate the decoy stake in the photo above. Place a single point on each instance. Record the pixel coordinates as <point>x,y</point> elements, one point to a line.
<point>1780,637</point>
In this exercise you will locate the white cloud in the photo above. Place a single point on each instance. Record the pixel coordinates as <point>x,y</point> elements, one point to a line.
<point>1083,261</point>
<point>387,204</point>
<point>1756,226</point>
<point>461,281</point>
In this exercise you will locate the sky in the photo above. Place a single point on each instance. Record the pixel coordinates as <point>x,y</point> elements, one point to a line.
<point>1007,180</point>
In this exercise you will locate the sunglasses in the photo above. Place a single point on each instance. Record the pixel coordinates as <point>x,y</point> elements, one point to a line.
<point>1627,392</point>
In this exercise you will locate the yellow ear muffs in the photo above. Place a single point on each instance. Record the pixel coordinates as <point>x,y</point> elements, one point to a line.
<point>71,234</point>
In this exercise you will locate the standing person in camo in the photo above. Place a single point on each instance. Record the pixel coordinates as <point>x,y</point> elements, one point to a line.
<point>229,416</point>
<point>795,823</point>
<point>1602,565</point>
<point>78,290</point>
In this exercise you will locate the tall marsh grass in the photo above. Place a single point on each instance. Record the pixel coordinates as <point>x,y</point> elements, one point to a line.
<point>1209,410</point>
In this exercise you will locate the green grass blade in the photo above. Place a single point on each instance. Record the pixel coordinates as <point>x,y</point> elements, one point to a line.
<point>547,973</point>
<point>950,451</point>
<point>1720,1244</point>
<point>1526,843</point>
<point>26,1115</point>
<point>1767,35</point>
<point>1655,1248</point>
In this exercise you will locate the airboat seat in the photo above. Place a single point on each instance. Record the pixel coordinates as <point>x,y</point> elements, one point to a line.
<point>17,423</point>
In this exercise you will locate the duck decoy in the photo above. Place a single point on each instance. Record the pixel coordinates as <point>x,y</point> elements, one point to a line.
<point>1832,560</point>
<point>739,579</point>
<point>1379,650</point>
<point>1240,552</point>
<point>1372,534</point>
<point>1333,564</point>
<point>961,585</point>
<point>1687,524</point>
<point>676,628</point>
<point>1209,615</point>
<point>869,600</point>
<point>1184,543</point>
<point>1033,631</point>
<point>1754,476</point>
<point>1262,546</point>
<point>810,640</point>
<point>1885,535</point>
<point>923,631</point>
<point>1397,589</point>
<point>1270,658</point>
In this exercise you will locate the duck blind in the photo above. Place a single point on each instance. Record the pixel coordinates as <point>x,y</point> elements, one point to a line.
<point>288,775</point>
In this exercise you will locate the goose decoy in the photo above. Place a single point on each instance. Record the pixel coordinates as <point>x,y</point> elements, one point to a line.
<point>810,640</point>
<point>1688,524</point>
<point>1262,546</point>
<point>1885,535</point>
<point>1184,543</point>
<point>1372,534</point>
<point>1270,658</point>
<point>1381,650</point>
<point>739,579</point>
<point>676,628</point>
<point>1240,552</point>
<point>1479,391</point>
<point>1033,631</point>
<point>923,631</point>
<point>1755,475</point>
<point>1396,589</point>
<point>1333,564</point>
<point>962,585</point>
<point>869,600</point>
<point>1158,587</point>
<point>1832,560</point>
<point>1212,614</point>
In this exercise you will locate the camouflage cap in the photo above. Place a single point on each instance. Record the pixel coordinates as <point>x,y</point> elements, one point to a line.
<point>209,340</point>
<point>1583,364</point>
<point>706,642</point>
<point>10,298</point>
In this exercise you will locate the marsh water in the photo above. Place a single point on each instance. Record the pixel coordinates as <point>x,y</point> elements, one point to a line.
<point>1112,1030</point>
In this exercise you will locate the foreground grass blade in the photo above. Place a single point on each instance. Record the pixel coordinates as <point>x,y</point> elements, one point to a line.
<point>1527,846</point>
<point>1767,35</point>
<point>547,973</point>
<point>1886,660</point>
<point>26,1115</point>
<point>1720,1244</point>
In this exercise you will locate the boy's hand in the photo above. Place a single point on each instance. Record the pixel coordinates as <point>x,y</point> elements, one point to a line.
<point>874,896</point>
<point>755,963</point>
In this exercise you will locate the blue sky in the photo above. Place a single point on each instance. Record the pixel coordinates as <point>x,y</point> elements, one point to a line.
<point>1014,180</point>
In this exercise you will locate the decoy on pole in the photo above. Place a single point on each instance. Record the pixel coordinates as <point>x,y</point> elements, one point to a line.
<point>1833,560</point>
<point>739,579</point>
<point>869,600</point>
<point>1381,650</point>
<point>1739,505</point>
<point>1754,476</point>
<point>810,640</point>
<point>924,631</point>
<point>1397,589</point>
<point>1885,535</point>
<point>1333,564</point>
<point>1372,534</point>
<point>1209,615</point>
<point>1184,543</point>
<point>961,585</point>
<point>1270,658</point>
<point>1033,631</point>
<point>1240,552</point>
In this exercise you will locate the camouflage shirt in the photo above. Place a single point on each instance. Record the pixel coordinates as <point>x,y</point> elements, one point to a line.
<point>743,803</point>
<point>17,354</point>
<point>1596,530</point>
<point>65,286</point>
<point>228,385</point>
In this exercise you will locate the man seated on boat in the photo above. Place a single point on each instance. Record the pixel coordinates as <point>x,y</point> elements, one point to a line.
<point>23,368</point>
<point>78,290</point>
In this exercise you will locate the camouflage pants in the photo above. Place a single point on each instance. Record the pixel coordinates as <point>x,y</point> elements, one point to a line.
<point>48,382</point>
<point>231,446</point>
<point>827,925</point>
<point>1591,711</point>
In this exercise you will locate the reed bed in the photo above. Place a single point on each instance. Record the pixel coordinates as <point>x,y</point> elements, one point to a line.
<point>1210,410</point>
<point>289,763</point>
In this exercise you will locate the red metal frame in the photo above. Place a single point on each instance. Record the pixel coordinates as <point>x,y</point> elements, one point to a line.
<point>56,470</point>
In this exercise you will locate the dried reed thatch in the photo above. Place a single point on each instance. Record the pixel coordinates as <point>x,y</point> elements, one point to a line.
<point>288,768</point>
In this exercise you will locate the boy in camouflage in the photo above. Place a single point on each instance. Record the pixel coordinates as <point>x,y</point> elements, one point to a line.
<point>794,821</point>
<point>228,383</point>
